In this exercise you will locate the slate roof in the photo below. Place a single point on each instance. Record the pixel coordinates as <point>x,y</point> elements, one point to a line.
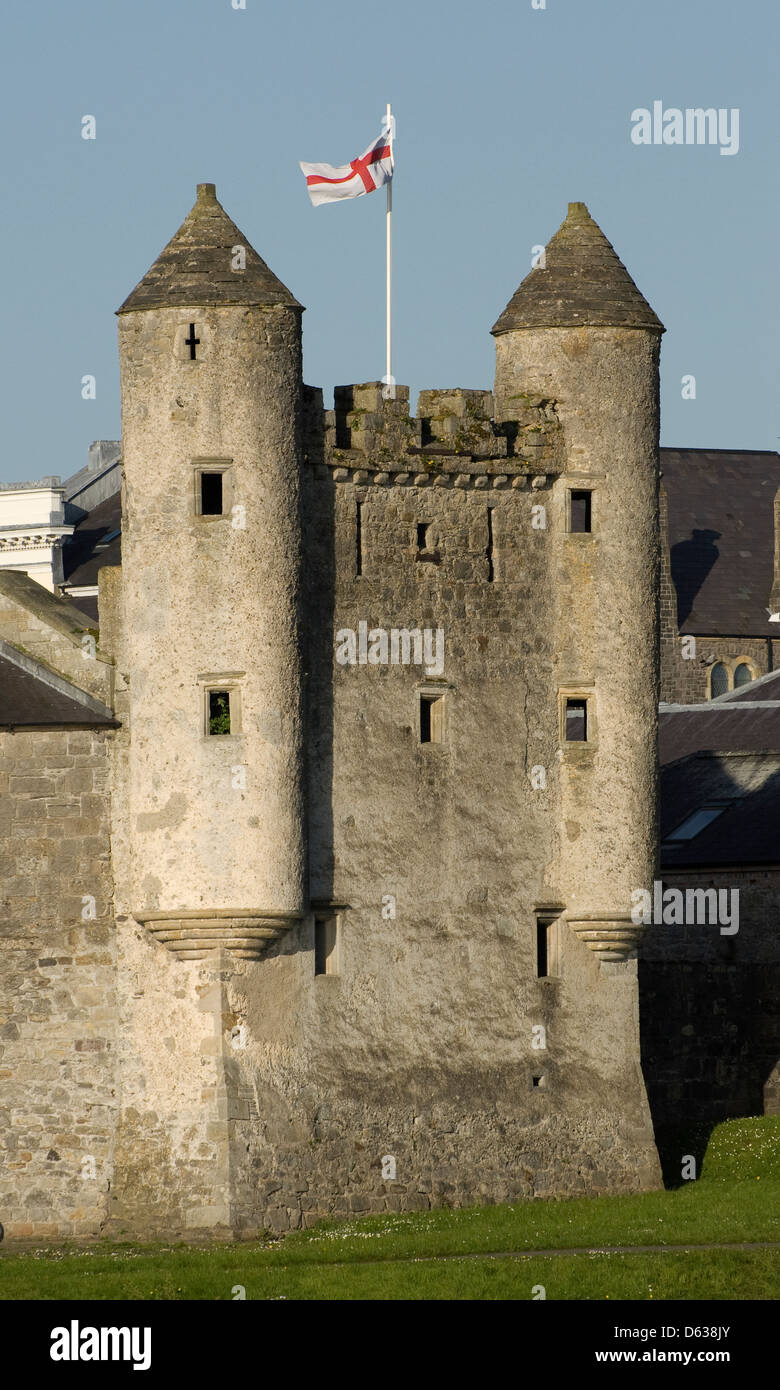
<point>583,282</point>
<point>747,830</point>
<point>195,266</point>
<point>29,700</point>
<point>764,688</point>
<point>742,727</point>
<point>86,551</point>
<point>721,538</point>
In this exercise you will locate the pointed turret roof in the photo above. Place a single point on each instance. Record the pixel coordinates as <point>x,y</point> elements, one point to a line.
<point>583,283</point>
<point>195,267</point>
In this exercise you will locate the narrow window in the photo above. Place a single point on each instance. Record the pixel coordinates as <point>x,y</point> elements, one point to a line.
<point>541,950</point>
<point>489,551</point>
<point>359,538</point>
<point>576,721</point>
<point>211,494</point>
<point>537,1081</point>
<point>743,675</point>
<point>422,535</point>
<point>719,680</point>
<point>326,945</point>
<point>579,511</point>
<point>219,711</point>
<point>431,719</point>
<point>547,953</point>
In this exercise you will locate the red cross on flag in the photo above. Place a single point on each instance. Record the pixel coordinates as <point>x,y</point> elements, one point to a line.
<point>370,171</point>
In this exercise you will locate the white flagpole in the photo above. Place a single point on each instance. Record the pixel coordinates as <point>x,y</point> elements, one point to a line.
<point>389,260</point>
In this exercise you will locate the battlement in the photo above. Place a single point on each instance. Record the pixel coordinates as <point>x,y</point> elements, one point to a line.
<point>454,432</point>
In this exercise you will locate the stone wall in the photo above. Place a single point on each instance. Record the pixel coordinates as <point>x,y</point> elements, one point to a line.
<point>58,1021</point>
<point>710,1014</point>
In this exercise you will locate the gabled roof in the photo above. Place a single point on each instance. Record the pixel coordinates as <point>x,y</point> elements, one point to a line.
<point>745,727</point>
<point>195,266</point>
<point>96,541</point>
<point>745,720</point>
<point>583,282</point>
<point>58,613</point>
<point>31,696</point>
<point>721,538</point>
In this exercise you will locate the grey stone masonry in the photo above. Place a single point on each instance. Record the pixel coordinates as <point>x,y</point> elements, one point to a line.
<point>58,1015</point>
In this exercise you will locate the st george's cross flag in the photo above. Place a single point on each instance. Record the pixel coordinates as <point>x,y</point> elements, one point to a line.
<point>373,169</point>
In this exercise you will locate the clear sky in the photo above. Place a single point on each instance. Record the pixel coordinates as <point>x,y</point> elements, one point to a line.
<point>505,114</point>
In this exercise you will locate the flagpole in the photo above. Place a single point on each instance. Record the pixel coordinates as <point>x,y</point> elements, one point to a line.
<point>389,266</point>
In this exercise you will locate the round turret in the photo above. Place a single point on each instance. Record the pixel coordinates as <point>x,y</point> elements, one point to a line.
<point>579,333</point>
<point>210,357</point>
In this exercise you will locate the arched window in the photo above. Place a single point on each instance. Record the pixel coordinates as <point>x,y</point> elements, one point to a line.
<point>719,680</point>
<point>743,674</point>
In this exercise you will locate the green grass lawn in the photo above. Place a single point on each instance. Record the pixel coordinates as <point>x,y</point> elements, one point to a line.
<point>736,1199</point>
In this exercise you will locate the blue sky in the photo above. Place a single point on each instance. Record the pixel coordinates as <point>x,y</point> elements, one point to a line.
<point>505,114</point>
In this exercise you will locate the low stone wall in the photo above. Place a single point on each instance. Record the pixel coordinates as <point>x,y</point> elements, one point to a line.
<point>57,983</point>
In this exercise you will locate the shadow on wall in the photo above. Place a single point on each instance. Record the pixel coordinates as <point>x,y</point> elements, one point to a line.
<point>691,562</point>
<point>319,597</point>
<point>710,1003</point>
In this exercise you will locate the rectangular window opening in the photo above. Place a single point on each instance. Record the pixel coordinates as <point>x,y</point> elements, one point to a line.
<point>219,711</point>
<point>489,551</point>
<point>580,512</point>
<point>431,719</point>
<point>327,942</point>
<point>541,950</point>
<point>422,535</point>
<point>547,954</point>
<point>359,539</point>
<point>211,494</point>
<point>576,721</point>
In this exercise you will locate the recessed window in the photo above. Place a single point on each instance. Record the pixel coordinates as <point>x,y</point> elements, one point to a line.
<point>327,945</point>
<point>743,675</point>
<point>359,538</point>
<point>580,511</point>
<point>213,487</point>
<point>694,824</point>
<point>537,1081</point>
<point>431,718</point>
<point>426,548</point>
<point>211,494</point>
<point>576,729</point>
<point>719,680</point>
<point>547,957</point>
<point>218,712</point>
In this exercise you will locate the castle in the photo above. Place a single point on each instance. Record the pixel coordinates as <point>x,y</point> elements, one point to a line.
<point>297,918</point>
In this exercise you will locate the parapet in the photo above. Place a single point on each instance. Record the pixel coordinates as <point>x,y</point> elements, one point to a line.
<point>454,432</point>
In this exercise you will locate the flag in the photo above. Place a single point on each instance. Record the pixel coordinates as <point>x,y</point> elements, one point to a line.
<point>374,168</point>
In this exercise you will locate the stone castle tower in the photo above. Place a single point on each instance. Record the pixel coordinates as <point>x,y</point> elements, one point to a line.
<point>386,772</point>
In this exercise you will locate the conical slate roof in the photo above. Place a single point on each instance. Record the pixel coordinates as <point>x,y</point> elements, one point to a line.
<point>584,282</point>
<point>195,267</point>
